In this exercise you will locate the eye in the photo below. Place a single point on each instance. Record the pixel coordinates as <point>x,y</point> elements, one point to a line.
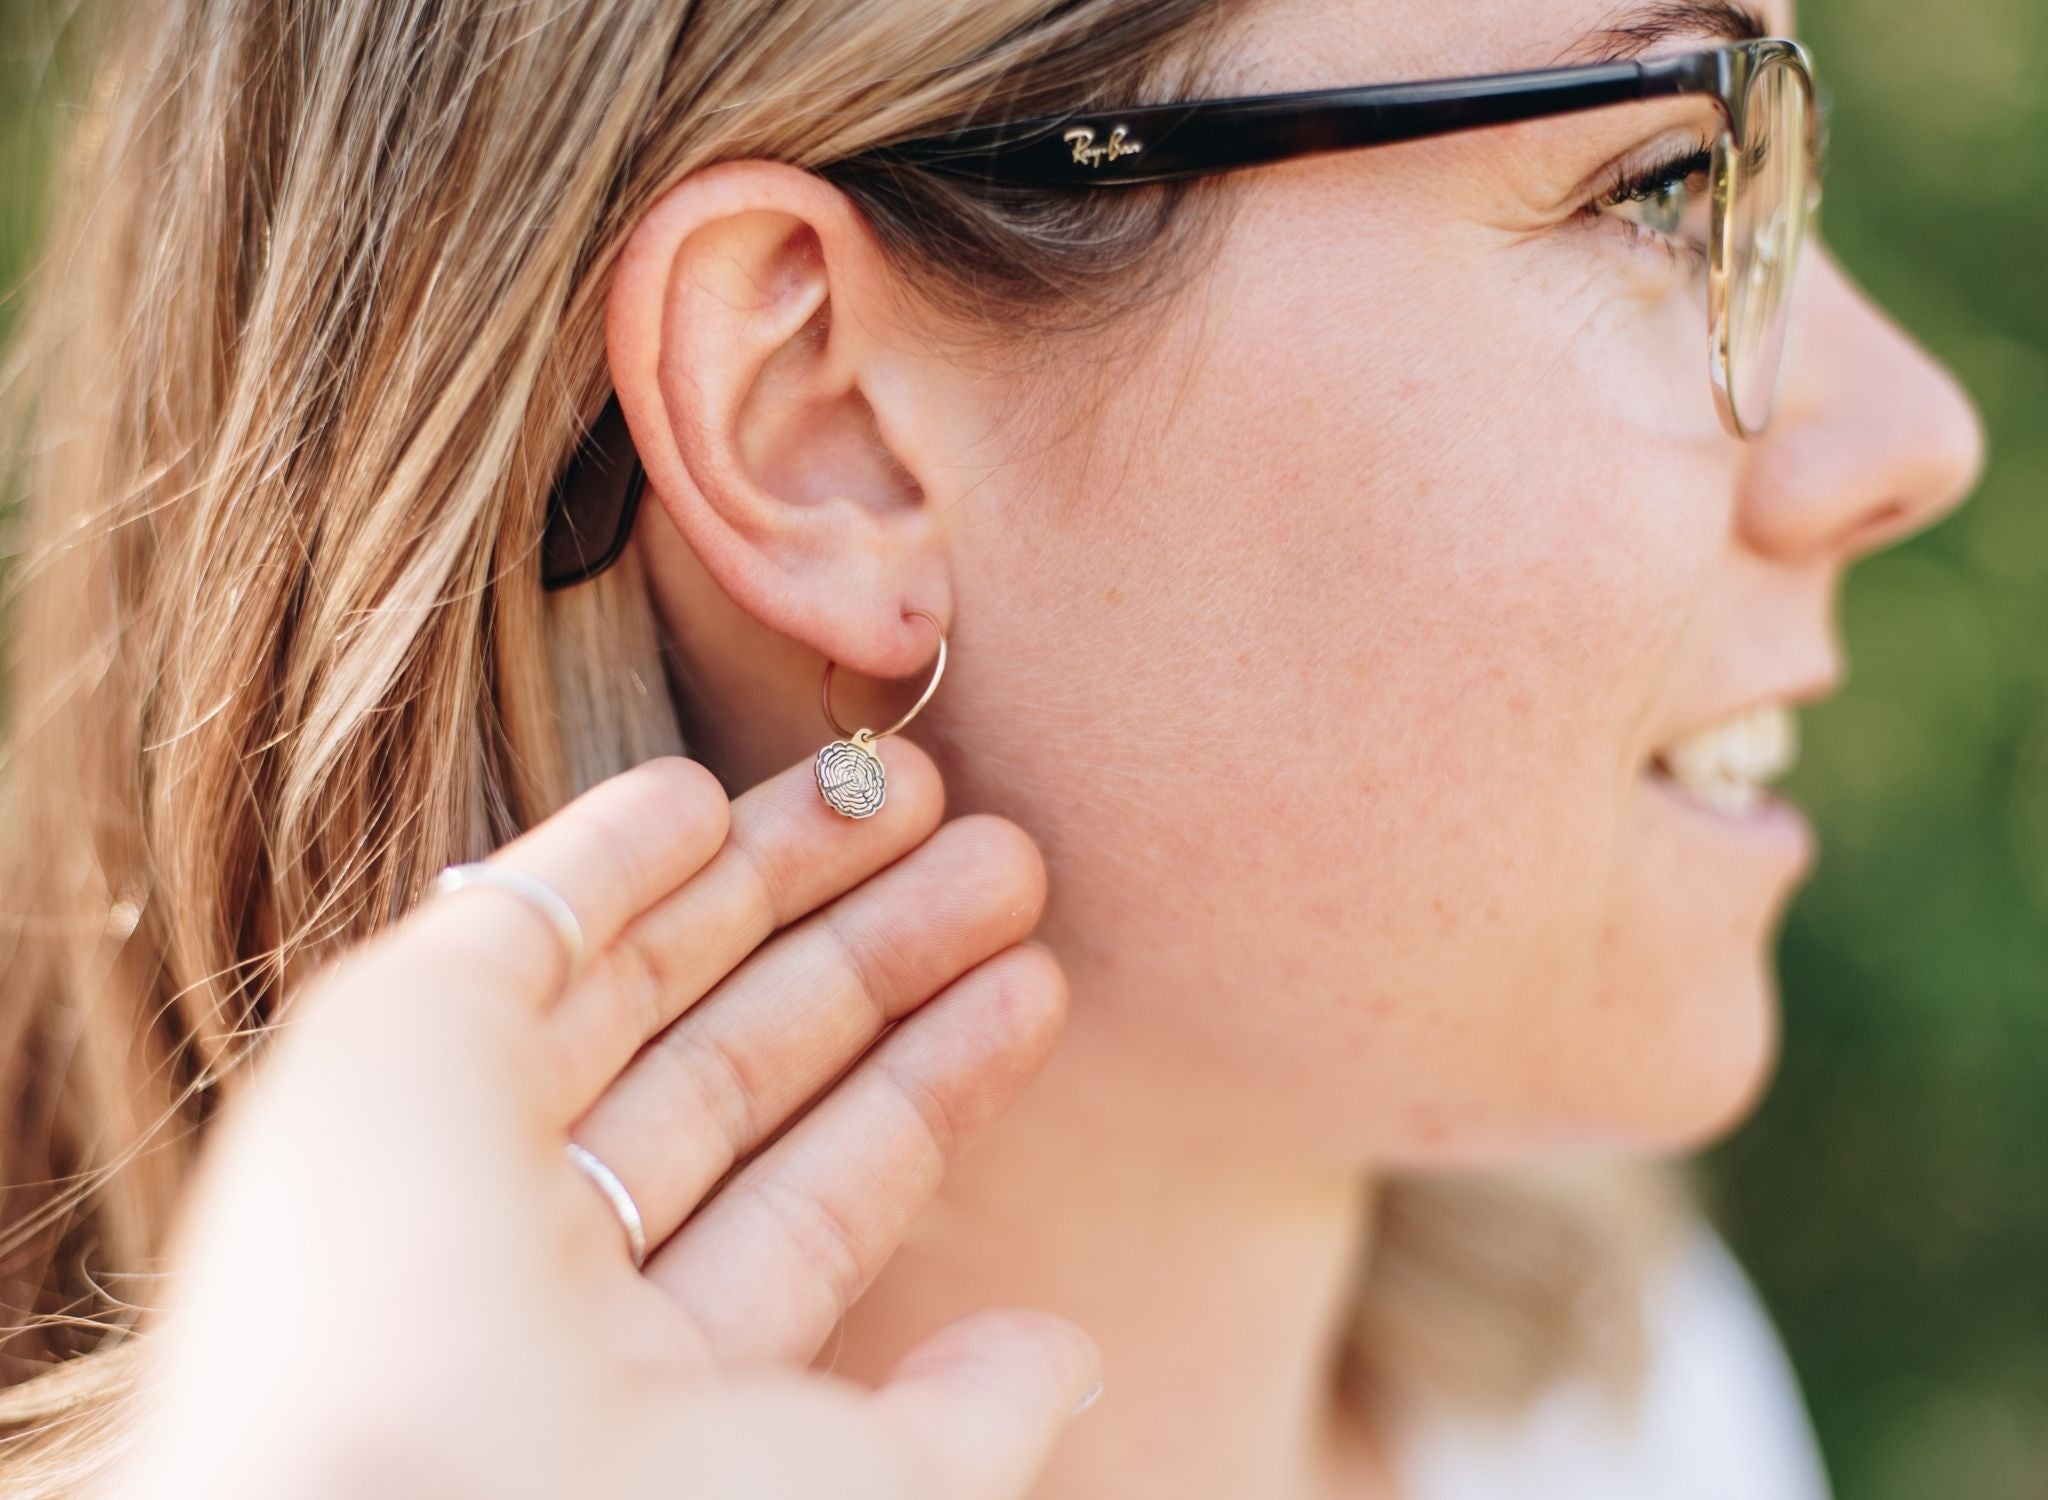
<point>1662,205</point>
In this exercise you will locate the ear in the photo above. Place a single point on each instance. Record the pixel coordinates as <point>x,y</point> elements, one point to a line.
<point>761,357</point>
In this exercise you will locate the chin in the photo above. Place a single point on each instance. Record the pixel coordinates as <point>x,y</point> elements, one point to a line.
<point>1720,1069</point>
<point>1691,1018</point>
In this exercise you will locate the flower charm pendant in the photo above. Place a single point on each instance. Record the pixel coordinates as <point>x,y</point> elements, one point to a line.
<point>850,775</point>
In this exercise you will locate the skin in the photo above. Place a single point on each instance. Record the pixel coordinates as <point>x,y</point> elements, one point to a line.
<point>447,1306</point>
<point>1311,636</point>
<point>1321,637</point>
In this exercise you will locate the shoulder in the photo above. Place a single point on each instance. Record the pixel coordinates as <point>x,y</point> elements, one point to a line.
<point>1721,1413</point>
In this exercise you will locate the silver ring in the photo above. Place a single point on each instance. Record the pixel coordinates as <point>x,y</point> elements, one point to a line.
<point>621,1201</point>
<point>536,892</point>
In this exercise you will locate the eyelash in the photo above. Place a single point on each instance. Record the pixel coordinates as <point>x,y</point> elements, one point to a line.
<point>1643,184</point>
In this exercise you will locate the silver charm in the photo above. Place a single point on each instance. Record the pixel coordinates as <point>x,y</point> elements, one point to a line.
<point>851,776</point>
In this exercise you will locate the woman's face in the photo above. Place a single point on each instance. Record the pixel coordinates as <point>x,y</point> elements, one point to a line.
<point>1331,640</point>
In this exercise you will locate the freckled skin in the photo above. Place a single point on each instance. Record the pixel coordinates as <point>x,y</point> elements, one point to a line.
<point>1325,657</point>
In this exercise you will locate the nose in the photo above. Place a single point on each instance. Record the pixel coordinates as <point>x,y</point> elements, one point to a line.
<point>1873,438</point>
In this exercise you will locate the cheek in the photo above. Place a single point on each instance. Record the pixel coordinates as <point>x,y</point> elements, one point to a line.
<point>1350,663</point>
<point>1459,587</point>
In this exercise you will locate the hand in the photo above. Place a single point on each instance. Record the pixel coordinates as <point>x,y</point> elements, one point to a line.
<point>392,1281</point>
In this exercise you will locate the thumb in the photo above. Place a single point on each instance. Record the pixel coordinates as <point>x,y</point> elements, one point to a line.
<point>980,1403</point>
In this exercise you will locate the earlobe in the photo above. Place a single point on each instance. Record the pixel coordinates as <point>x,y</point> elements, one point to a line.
<point>751,329</point>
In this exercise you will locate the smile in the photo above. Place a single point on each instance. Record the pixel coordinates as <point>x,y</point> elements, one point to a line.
<point>1728,765</point>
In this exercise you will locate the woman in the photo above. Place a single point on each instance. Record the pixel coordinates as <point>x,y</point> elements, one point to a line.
<point>1347,582</point>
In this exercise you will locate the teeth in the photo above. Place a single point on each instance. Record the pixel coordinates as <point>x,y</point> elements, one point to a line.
<point>1727,765</point>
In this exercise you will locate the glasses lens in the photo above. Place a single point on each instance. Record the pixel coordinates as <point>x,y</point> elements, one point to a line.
<point>1769,221</point>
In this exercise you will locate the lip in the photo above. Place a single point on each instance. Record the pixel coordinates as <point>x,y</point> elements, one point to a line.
<point>1798,695</point>
<point>1775,824</point>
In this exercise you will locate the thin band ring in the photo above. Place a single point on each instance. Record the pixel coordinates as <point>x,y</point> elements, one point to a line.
<point>938,669</point>
<point>621,1201</point>
<point>531,889</point>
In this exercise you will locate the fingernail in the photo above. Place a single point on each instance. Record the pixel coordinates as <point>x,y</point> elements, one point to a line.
<point>1088,1398</point>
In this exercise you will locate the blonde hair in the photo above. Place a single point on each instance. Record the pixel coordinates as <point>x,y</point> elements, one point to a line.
<point>320,320</point>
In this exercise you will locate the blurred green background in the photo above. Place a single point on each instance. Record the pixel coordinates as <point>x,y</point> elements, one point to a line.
<point>1890,1198</point>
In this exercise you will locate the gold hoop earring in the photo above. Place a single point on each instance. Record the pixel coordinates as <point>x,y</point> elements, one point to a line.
<point>850,776</point>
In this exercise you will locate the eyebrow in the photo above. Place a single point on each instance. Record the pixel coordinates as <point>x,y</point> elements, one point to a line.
<point>1637,31</point>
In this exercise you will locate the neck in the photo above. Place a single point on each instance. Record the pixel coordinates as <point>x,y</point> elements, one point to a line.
<point>1215,1281</point>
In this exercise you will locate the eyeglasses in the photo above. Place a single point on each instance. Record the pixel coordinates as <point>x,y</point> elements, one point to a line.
<point>1764,173</point>
<point>1764,179</point>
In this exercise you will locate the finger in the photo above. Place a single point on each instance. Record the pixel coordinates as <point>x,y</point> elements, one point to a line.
<point>772,1262</point>
<point>785,854</point>
<point>609,854</point>
<point>782,1026</point>
<point>979,1405</point>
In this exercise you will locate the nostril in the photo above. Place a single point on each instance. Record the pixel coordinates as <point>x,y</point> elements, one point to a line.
<point>1881,527</point>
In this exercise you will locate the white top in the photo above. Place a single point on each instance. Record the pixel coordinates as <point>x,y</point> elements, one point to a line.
<point>1721,1419</point>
